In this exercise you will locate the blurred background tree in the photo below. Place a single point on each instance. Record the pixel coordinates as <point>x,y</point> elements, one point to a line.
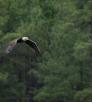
<point>63,31</point>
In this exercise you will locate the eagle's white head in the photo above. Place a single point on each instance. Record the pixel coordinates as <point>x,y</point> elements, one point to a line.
<point>25,38</point>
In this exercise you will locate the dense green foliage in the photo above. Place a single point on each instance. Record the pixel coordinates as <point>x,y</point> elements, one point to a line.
<point>63,31</point>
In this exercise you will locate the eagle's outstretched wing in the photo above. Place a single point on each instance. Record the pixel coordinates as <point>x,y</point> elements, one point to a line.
<point>29,42</point>
<point>11,46</point>
<point>33,45</point>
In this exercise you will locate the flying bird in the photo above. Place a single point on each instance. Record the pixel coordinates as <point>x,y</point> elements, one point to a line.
<point>25,40</point>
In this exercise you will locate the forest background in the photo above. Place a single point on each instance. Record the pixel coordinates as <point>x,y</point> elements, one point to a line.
<point>63,32</point>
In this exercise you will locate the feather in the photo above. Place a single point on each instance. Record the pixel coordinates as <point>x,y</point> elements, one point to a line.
<point>11,46</point>
<point>33,45</point>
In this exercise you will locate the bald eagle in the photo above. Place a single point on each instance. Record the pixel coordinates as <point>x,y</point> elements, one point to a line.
<point>25,40</point>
